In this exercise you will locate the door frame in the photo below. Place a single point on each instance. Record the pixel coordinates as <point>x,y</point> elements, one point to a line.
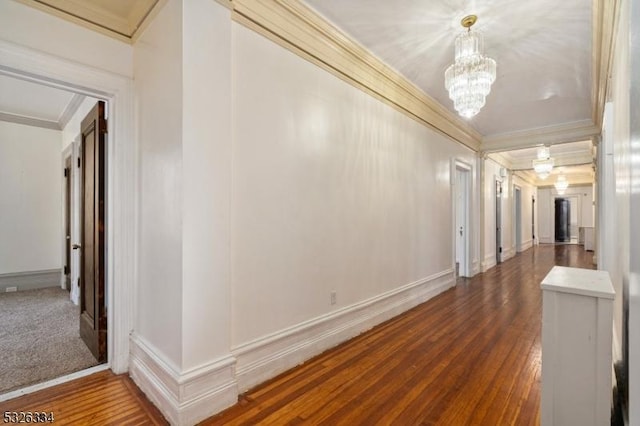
<point>517,217</point>
<point>497,200</point>
<point>68,206</point>
<point>117,90</point>
<point>466,270</point>
<point>570,196</point>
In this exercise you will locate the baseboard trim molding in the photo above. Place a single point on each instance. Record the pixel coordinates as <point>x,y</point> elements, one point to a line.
<point>476,267</point>
<point>527,245</point>
<point>31,280</point>
<point>266,357</point>
<point>488,262</point>
<point>186,397</point>
<point>508,253</point>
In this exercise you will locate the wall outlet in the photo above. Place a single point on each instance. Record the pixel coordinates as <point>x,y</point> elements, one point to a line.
<point>11,289</point>
<point>333,297</point>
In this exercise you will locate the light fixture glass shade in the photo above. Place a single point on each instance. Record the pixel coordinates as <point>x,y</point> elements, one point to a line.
<point>469,78</point>
<point>543,167</point>
<point>561,184</point>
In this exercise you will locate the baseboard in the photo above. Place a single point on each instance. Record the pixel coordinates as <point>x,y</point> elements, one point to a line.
<point>526,245</point>
<point>266,357</point>
<point>475,267</point>
<point>508,253</point>
<point>187,397</point>
<point>488,262</point>
<point>30,280</point>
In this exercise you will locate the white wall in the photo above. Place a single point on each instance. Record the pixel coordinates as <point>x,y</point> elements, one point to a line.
<point>332,190</point>
<point>30,194</point>
<point>158,86</point>
<point>491,174</point>
<point>620,207</point>
<point>633,162</point>
<point>527,192</point>
<point>546,206</point>
<point>207,182</point>
<point>184,104</point>
<point>41,31</point>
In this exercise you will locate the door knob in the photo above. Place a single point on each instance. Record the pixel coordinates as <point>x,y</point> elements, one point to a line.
<point>76,246</point>
<point>461,230</point>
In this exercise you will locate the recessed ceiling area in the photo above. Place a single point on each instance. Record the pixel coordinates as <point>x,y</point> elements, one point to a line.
<point>121,19</point>
<point>33,104</point>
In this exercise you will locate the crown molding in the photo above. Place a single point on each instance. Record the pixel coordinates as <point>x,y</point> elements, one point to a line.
<point>605,22</point>
<point>95,18</point>
<point>298,28</point>
<point>29,121</point>
<point>70,109</point>
<point>551,135</point>
<point>65,116</point>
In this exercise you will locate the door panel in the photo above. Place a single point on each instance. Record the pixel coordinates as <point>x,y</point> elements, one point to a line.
<point>93,313</point>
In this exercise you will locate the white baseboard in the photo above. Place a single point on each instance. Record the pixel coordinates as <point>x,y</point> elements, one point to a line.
<point>488,262</point>
<point>475,267</point>
<point>266,357</point>
<point>526,245</point>
<point>508,253</point>
<point>31,280</point>
<point>187,397</point>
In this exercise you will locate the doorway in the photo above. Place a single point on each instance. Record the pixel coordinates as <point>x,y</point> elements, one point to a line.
<point>517,197</point>
<point>462,201</point>
<point>562,216</point>
<point>120,222</point>
<point>38,308</point>
<point>498,221</point>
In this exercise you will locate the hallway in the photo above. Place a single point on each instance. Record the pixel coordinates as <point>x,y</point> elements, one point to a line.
<point>469,356</point>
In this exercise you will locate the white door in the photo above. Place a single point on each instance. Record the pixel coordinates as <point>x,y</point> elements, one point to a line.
<point>462,185</point>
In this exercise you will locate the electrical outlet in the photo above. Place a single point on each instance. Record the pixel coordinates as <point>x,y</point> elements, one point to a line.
<point>333,297</point>
<point>11,289</point>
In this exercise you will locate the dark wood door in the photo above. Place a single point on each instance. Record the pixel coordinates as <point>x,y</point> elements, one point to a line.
<point>67,223</point>
<point>93,312</point>
<point>562,220</point>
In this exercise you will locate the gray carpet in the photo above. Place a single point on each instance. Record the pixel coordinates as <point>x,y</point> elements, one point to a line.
<point>39,338</point>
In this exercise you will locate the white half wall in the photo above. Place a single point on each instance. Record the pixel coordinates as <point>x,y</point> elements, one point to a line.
<point>30,197</point>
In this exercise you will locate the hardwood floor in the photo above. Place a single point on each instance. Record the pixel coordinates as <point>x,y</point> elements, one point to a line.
<point>470,356</point>
<point>100,399</point>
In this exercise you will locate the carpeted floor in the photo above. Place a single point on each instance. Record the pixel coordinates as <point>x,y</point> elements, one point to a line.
<point>39,338</point>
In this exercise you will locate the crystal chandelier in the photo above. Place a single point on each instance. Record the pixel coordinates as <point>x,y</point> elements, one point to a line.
<point>469,78</point>
<point>561,184</point>
<point>543,165</point>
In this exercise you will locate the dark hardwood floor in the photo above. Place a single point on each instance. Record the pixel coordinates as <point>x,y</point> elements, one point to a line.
<point>470,356</point>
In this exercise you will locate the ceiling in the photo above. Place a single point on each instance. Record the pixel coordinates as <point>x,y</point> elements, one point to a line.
<point>542,48</point>
<point>543,51</point>
<point>33,104</point>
